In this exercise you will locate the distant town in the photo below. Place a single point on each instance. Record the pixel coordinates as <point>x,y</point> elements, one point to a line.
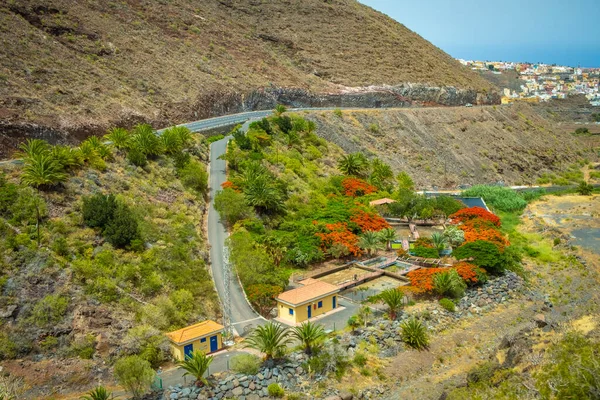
<point>542,82</point>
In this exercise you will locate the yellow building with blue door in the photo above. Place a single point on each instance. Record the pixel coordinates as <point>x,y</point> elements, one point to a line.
<point>206,336</point>
<point>312,299</point>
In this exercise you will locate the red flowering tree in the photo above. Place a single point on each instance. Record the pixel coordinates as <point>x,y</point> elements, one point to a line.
<point>354,187</point>
<point>262,297</point>
<point>467,214</point>
<point>338,233</point>
<point>368,221</point>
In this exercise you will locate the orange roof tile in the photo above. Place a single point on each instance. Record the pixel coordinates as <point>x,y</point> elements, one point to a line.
<point>381,201</point>
<point>195,331</point>
<point>311,291</point>
<point>308,281</point>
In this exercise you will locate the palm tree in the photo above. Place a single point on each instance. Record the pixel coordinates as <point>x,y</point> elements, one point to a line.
<point>354,164</point>
<point>184,134</point>
<point>393,298</point>
<point>171,141</point>
<point>311,335</point>
<point>439,241</point>
<point>388,235</point>
<point>270,339</point>
<point>370,242</point>
<point>146,141</point>
<point>119,137</point>
<point>33,147</point>
<point>382,175</point>
<point>99,393</point>
<point>67,157</point>
<point>280,109</point>
<point>353,323</point>
<point>196,365</point>
<point>262,194</point>
<point>42,170</point>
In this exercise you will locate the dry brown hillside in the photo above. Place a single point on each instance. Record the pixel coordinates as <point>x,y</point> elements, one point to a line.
<point>450,146</point>
<point>82,65</point>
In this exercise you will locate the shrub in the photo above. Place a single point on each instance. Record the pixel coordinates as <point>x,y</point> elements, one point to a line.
<point>360,359</point>
<point>247,364</point>
<point>484,254</point>
<point>98,210</point>
<point>275,390</point>
<point>195,177</point>
<point>83,347</point>
<point>60,246</point>
<point>215,138</point>
<point>448,304</point>
<point>8,348</point>
<point>449,283</point>
<point>425,252</point>
<point>98,393</point>
<point>500,198</point>
<point>50,310</point>
<point>135,374</point>
<point>137,157</point>
<point>585,189</point>
<point>122,228</point>
<point>414,333</point>
<point>232,206</point>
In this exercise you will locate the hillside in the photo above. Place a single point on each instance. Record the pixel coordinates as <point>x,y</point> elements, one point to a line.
<point>81,67</point>
<point>446,147</point>
<point>84,293</point>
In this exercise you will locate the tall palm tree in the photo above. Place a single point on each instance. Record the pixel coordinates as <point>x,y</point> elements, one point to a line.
<point>270,339</point>
<point>388,235</point>
<point>42,170</point>
<point>382,175</point>
<point>196,365</point>
<point>370,242</point>
<point>354,164</point>
<point>99,393</point>
<point>393,299</point>
<point>309,334</point>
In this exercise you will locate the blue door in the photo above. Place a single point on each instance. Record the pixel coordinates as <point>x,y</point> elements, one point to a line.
<point>188,350</point>
<point>309,311</point>
<point>334,301</point>
<point>214,344</point>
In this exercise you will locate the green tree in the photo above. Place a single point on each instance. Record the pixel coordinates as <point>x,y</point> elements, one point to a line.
<point>405,181</point>
<point>122,229</point>
<point>393,298</point>
<point>263,195</point>
<point>33,147</point>
<point>310,335</point>
<point>354,164</point>
<point>98,210</point>
<point>67,157</point>
<point>388,235</point>
<point>194,176</point>
<point>196,365</point>
<point>262,297</point>
<point>232,206</point>
<point>270,339</point>
<point>370,242</point>
<point>484,254</point>
<point>98,393</point>
<point>353,322</point>
<point>382,175</point>
<point>42,171</point>
<point>135,374</point>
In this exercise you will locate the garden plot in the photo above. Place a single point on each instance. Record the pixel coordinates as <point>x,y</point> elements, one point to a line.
<point>372,288</point>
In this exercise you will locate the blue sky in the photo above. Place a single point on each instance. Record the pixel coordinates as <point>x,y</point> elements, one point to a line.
<point>549,31</point>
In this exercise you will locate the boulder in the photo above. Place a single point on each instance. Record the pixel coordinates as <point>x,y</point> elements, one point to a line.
<point>540,320</point>
<point>345,395</point>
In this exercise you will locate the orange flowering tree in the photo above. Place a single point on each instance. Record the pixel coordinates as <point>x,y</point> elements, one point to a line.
<point>368,221</point>
<point>470,273</point>
<point>482,229</point>
<point>354,187</point>
<point>262,297</point>
<point>467,214</point>
<point>338,233</point>
<point>422,279</point>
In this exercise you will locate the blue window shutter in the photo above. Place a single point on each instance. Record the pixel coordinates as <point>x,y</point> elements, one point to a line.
<point>320,304</point>
<point>291,311</point>
<point>203,340</point>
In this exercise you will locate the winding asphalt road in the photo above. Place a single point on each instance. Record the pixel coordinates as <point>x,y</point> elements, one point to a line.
<point>243,317</point>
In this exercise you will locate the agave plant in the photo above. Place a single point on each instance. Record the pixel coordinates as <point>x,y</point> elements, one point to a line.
<point>270,339</point>
<point>414,333</point>
<point>99,393</point>
<point>196,365</point>
<point>310,335</point>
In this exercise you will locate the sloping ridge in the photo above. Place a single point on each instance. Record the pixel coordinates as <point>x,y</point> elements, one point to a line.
<point>83,66</point>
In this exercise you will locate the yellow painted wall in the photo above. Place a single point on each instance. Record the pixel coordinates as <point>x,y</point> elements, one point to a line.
<point>301,312</point>
<point>177,350</point>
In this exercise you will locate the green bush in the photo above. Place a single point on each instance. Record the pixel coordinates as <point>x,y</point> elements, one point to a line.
<point>585,189</point>
<point>195,177</point>
<point>215,138</point>
<point>275,390</point>
<point>83,347</point>
<point>425,252</point>
<point>135,374</point>
<point>122,228</point>
<point>360,359</point>
<point>486,255</point>
<point>500,198</point>
<point>8,196</point>
<point>60,246</point>
<point>98,210</point>
<point>8,348</point>
<point>414,333</point>
<point>247,364</point>
<point>338,113</point>
<point>448,305</point>
<point>232,206</point>
<point>50,310</point>
<point>137,157</point>
<point>449,283</point>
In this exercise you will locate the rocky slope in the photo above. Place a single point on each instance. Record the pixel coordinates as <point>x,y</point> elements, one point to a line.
<point>445,147</point>
<point>79,67</point>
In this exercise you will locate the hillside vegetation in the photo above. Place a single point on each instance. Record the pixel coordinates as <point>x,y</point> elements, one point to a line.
<point>446,147</point>
<point>100,256</point>
<point>84,66</point>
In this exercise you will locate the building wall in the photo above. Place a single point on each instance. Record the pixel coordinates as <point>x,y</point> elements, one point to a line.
<point>178,353</point>
<point>301,312</point>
